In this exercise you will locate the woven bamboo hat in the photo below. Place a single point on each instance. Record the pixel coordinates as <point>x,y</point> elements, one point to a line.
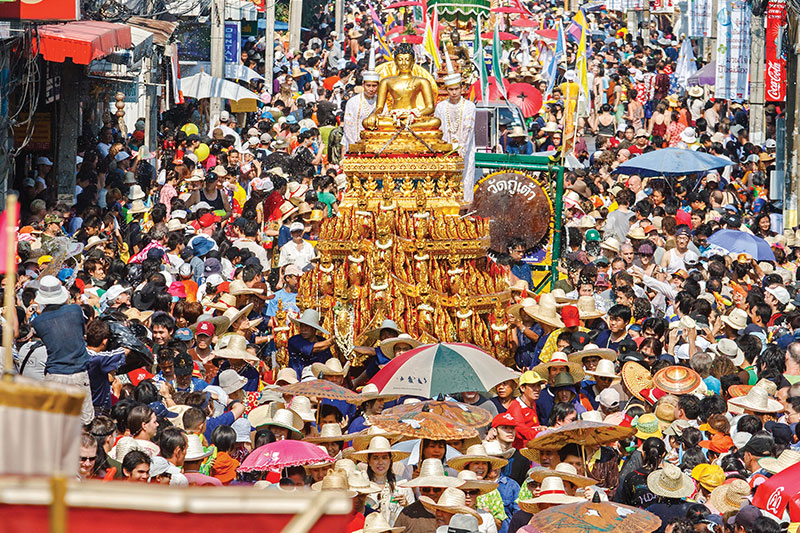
<point>378,445</point>
<point>670,482</point>
<point>452,501</point>
<point>636,378</point>
<point>476,453</point>
<point>552,492</point>
<point>731,496</point>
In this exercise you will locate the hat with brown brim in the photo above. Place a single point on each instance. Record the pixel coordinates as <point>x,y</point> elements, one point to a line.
<point>476,454</point>
<point>334,480</point>
<point>451,501</point>
<point>593,350</point>
<point>636,378</point>
<point>560,359</point>
<point>471,482</point>
<point>565,471</point>
<point>552,492</point>
<point>677,380</point>
<point>329,433</point>
<point>387,346</point>
<point>431,474</point>
<point>234,347</point>
<point>515,310</point>
<point>379,445</point>
<point>362,439</point>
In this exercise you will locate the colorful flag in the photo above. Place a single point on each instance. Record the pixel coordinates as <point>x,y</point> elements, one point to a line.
<point>376,20</point>
<point>577,27</point>
<point>8,247</point>
<point>581,62</point>
<point>430,43</point>
<point>480,62</point>
<point>497,70</point>
<point>687,65</point>
<point>558,55</point>
<point>382,49</point>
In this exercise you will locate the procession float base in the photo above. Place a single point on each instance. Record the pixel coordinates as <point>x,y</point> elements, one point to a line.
<point>403,142</point>
<point>399,249</point>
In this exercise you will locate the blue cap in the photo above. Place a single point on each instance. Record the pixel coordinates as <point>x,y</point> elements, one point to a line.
<point>64,274</point>
<point>267,115</point>
<point>291,119</point>
<point>161,410</point>
<point>784,341</point>
<point>184,334</point>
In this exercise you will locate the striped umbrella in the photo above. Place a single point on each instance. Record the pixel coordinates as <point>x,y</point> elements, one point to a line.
<point>445,368</point>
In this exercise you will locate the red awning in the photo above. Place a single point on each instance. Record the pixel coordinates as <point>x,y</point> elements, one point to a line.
<point>83,41</point>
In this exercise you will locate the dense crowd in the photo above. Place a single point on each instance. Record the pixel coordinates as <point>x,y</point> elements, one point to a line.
<point>159,294</point>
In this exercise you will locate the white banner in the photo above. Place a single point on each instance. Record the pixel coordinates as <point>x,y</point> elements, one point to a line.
<point>699,18</point>
<point>733,50</point>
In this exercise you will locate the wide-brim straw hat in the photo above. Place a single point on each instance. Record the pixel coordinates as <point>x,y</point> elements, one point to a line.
<point>471,482</point>
<point>730,496</point>
<point>331,367</point>
<point>515,309</point>
<point>223,322</point>
<point>371,392</point>
<point>373,334</point>
<point>637,234</point>
<point>611,244</point>
<point>431,474</point>
<point>362,439</point>
<point>786,459</point>
<point>387,346</point>
<point>677,380</point>
<point>587,309</point>
<point>565,471</point>
<point>604,369</point>
<point>335,480</point>
<point>560,359</point>
<point>239,287</point>
<point>593,350</point>
<point>545,313</point>
<point>552,492</point>
<point>636,378</point>
<point>286,419</point>
<point>670,482</point>
<point>451,501</point>
<point>757,400</point>
<point>376,523</point>
<point>379,444</point>
<point>134,314</point>
<point>737,319</point>
<point>329,433</point>
<point>301,406</point>
<point>561,297</point>
<point>360,482</point>
<point>476,454</point>
<point>310,317</point>
<point>235,347</point>
<point>262,414</point>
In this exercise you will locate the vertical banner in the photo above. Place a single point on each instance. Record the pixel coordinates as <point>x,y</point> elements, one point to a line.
<point>232,41</point>
<point>661,7</point>
<point>733,50</point>
<point>775,74</point>
<point>699,18</point>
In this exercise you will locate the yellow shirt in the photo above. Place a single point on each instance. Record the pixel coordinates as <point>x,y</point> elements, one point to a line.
<point>551,343</point>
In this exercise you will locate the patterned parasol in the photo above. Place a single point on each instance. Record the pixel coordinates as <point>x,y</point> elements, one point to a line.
<point>321,388</point>
<point>587,517</point>
<point>282,454</point>
<point>582,432</point>
<point>433,419</point>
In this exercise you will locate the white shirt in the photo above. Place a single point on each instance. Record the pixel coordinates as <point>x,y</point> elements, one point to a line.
<point>257,250</point>
<point>357,109</point>
<point>290,255</point>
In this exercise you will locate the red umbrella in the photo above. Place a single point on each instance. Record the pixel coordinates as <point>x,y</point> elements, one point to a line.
<point>282,454</point>
<point>405,3</point>
<point>547,34</point>
<point>525,23</point>
<point>504,36</point>
<point>396,29</point>
<point>405,38</point>
<point>494,93</point>
<point>781,489</point>
<point>329,82</point>
<point>526,96</point>
<point>508,9</point>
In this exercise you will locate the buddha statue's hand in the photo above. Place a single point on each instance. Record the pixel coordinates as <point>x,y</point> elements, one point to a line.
<point>371,122</point>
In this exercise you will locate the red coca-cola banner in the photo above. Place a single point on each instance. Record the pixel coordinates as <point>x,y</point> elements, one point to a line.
<point>775,74</point>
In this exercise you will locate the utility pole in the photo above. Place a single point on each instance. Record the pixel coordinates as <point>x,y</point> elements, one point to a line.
<point>295,21</point>
<point>217,53</point>
<point>757,46</point>
<point>339,16</point>
<point>269,43</point>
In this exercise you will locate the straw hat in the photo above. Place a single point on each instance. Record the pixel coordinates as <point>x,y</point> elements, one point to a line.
<point>373,334</point>
<point>431,474</point>
<point>362,439</point>
<point>565,471</point>
<point>553,492</point>
<point>195,450</point>
<point>647,426</point>
<point>593,350</point>
<point>301,406</point>
<point>329,433</point>
<point>587,309</point>
<point>310,317</point>
<point>670,482</point>
<point>605,369</point>
<point>239,287</point>
<point>515,309</point>
<point>611,244</point>
<point>677,380</point>
<point>636,234</point>
<point>737,319</point>
<point>379,444</point>
<point>709,476</point>
<point>729,349</point>
<point>335,480</point>
<point>286,375</point>
<point>387,346</point>
<point>546,312</point>
<point>560,359</point>
<point>757,400</point>
<point>476,453</point>
<point>331,367</point>
<point>93,241</point>
<point>561,297</point>
<point>137,206</point>
<point>286,419</point>
<point>371,392</point>
<point>230,316</point>
<point>359,482</point>
<point>134,314</point>
<point>636,378</point>
<point>730,496</point>
<point>262,414</point>
<point>235,348</point>
<point>786,459</point>
<point>696,92</point>
<point>452,501</point>
<point>471,482</point>
<point>376,523</point>
<point>493,448</point>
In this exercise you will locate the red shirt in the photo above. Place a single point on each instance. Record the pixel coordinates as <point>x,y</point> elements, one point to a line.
<point>527,422</point>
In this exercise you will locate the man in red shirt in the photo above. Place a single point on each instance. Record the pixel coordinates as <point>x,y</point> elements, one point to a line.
<point>523,408</point>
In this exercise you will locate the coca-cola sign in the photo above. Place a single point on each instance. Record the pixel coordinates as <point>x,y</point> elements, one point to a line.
<point>775,73</point>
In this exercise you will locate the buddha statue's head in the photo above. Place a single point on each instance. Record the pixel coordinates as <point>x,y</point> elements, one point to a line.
<point>455,38</point>
<point>404,57</point>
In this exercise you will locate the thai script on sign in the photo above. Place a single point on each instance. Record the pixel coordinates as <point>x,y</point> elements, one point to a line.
<point>512,187</point>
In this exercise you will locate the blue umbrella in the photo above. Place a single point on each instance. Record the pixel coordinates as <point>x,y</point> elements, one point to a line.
<point>672,162</point>
<point>741,242</point>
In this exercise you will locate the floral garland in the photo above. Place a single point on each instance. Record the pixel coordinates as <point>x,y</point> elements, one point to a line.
<point>344,339</point>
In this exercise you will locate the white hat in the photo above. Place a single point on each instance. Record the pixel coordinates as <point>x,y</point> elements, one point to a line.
<point>242,428</point>
<point>780,293</point>
<point>195,450</point>
<point>729,349</point>
<point>122,156</point>
<point>51,292</point>
<point>296,226</point>
<point>136,193</point>
<point>689,136</point>
<point>370,74</point>
<point>43,160</point>
<point>452,78</point>
<point>231,381</point>
<point>224,116</point>
<point>609,398</point>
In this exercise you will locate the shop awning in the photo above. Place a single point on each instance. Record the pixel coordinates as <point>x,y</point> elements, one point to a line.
<point>162,30</point>
<point>82,41</point>
<point>234,9</point>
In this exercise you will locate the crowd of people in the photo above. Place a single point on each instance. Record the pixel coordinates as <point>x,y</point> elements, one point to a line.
<point>157,294</point>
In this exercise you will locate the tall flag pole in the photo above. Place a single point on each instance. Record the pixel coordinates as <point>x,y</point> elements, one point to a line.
<point>480,63</point>
<point>497,70</point>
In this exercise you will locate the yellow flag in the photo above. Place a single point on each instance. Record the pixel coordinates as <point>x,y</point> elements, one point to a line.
<point>581,59</point>
<point>430,44</point>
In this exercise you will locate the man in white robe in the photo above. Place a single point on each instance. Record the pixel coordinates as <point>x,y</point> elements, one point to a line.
<point>458,124</point>
<point>357,109</point>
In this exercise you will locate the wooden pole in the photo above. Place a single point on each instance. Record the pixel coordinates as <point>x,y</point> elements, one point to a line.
<point>10,283</point>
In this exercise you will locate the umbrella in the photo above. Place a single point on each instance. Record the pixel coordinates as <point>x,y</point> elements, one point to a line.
<point>508,9</point>
<point>503,35</point>
<point>741,242</point>
<point>705,76</point>
<point>549,34</point>
<point>526,96</point>
<point>282,454</point>
<point>590,516</point>
<point>405,3</point>
<point>444,368</point>
<point>320,388</point>
<point>329,82</point>
<point>672,162</point>
<point>582,432</point>
<point>525,23</point>
<point>778,491</point>
<point>203,85</point>
<point>494,93</point>
<point>432,419</point>
<point>236,71</point>
<point>405,38</point>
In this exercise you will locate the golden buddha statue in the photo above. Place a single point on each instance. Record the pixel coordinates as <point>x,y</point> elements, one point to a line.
<point>403,90</point>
